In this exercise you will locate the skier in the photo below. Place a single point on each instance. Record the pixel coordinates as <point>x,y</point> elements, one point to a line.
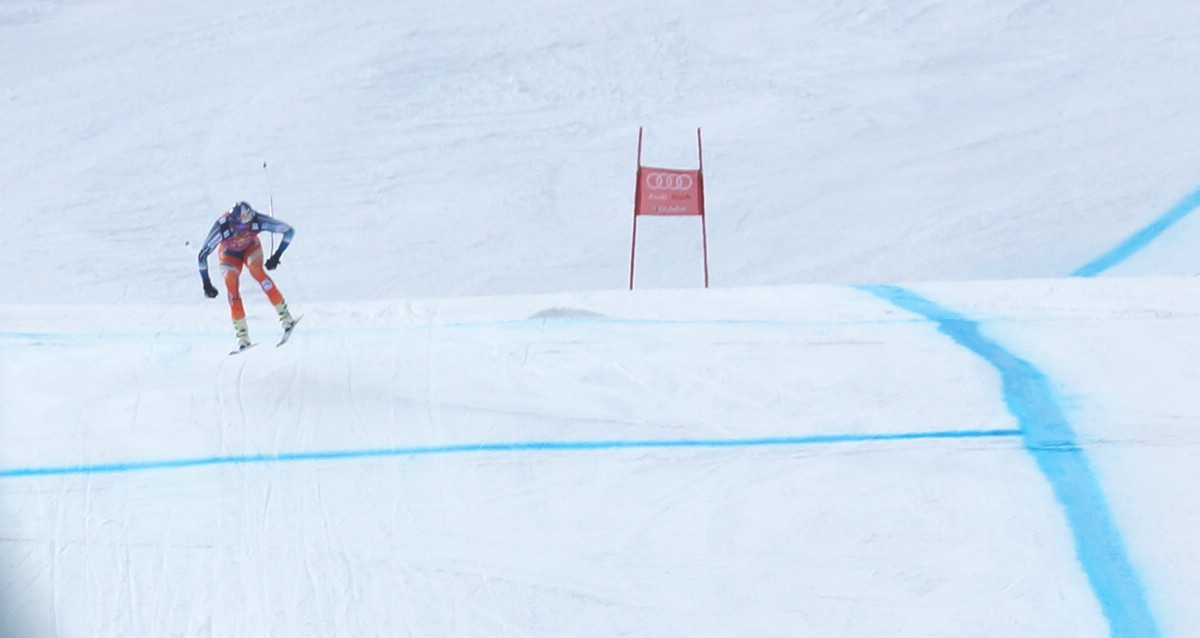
<point>235,238</point>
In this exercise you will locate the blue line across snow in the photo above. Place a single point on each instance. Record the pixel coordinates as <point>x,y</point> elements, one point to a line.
<point>1048,436</point>
<point>1138,240</point>
<point>525,446</point>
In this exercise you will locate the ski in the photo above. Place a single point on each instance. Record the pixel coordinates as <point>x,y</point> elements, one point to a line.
<point>243,348</point>
<point>288,332</point>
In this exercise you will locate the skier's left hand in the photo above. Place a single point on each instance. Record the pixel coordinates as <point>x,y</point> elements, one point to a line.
<point>209,290</point>
<point>273,261</point>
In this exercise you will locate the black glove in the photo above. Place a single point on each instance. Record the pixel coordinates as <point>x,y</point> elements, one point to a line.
<point>209,290</point>
<point>273,261</point>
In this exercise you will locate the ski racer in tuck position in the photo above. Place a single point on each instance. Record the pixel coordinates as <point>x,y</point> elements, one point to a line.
<point>234,237</point>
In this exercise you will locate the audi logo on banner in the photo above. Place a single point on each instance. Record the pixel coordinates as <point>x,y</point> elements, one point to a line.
<point>669,181</point>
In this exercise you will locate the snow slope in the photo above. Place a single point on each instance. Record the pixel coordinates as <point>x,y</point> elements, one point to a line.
<point>940,384</point>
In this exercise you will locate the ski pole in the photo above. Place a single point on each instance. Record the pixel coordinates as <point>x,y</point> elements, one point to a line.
<point>270,196</point>
<point>270,202</point>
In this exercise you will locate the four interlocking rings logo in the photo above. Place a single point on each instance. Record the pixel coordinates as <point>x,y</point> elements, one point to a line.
<point>669,181</point>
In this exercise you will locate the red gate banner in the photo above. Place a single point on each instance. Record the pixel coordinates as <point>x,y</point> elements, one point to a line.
<point>666,191</point>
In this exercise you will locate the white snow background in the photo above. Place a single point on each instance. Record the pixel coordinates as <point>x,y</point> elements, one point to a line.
<point>942,383</point>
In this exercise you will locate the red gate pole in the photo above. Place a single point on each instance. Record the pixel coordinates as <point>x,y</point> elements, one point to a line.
<point>637,193</point>
<point>703,213</point>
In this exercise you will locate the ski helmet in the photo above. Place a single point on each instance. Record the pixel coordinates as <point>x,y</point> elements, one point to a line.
<point>241,213</point>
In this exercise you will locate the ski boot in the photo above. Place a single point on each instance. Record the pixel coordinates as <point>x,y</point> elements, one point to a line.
<point>285,317</point>
<point>286,320</point>
<point>243,335</point>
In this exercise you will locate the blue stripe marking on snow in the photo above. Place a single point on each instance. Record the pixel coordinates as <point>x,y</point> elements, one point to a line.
<point>526,446</point>
<point>1049,437</point>
<point>1138,240</point>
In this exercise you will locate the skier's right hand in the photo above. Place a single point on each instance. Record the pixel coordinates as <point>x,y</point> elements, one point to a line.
<point>209,290</point>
